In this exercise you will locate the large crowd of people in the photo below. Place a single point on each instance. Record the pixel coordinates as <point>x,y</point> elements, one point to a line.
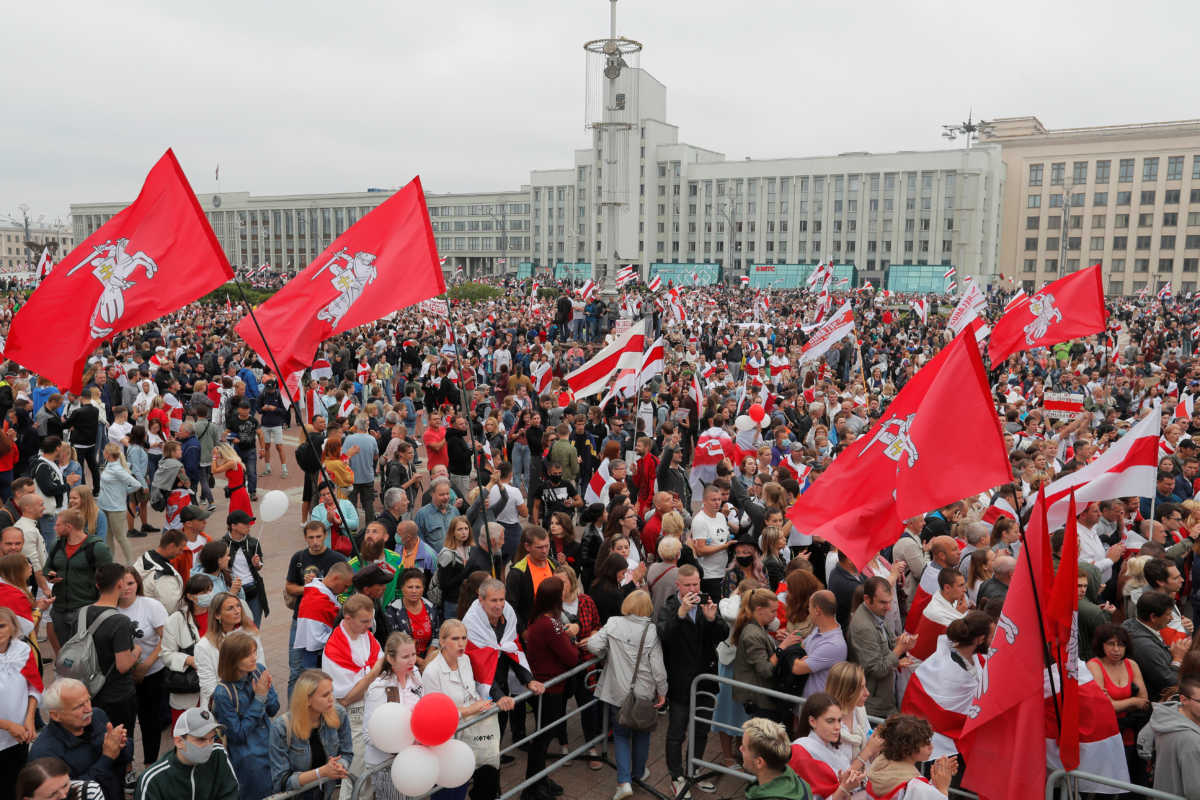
<point>468,526</point>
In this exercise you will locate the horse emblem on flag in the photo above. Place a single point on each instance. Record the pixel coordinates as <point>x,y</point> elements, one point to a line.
<point>351,274</point>
<point>1044,312</point>
<point>113,267</point>
<point>894,437</point>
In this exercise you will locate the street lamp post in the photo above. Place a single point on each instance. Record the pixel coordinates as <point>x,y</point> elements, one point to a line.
<point>1066,221</point>
<point>728,211</point>
<point>502,221</point>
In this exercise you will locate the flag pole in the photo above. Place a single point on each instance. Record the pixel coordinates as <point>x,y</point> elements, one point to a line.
<point>326,481</point>
<point>462,394</point>
<point>1049,660</point>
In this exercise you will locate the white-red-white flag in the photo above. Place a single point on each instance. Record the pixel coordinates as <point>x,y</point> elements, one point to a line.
<point>970,305</point>
<point>836,328</point>
<point>921,306</point>
<point>655,283</point>
<point>588,290</point>
<point>624,352</point>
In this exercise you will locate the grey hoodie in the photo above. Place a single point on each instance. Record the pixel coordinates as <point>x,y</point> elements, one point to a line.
<point>1174,741</point>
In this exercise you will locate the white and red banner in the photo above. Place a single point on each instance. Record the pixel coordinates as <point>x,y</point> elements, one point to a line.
<point>1062,405</point>
<point>624,352</point>
<point>836,328</point>
<point>970,306</point>
<point>921,306</point>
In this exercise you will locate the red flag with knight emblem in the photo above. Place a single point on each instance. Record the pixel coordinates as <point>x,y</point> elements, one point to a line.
<point>1069,307</point>
<point>156,256</point>
<point>385,262</point>
<point>912,460</point>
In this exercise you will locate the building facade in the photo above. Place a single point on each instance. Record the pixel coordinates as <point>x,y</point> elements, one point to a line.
<point>15,259</point>
<point>888,215</point>
<point>1124,196</point>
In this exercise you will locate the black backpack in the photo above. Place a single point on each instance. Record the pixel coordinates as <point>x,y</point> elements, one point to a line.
<point>306,456</point>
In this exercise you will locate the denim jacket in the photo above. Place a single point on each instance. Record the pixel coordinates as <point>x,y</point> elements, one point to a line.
<point>247,736</point>
<point>291,755</point>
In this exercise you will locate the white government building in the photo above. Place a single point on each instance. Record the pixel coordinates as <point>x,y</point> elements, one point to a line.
<point>898,220</point>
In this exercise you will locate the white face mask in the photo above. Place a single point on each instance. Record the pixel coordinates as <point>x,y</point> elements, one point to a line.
<point>195,753</point>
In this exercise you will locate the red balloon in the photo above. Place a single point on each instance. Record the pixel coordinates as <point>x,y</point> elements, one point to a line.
<point>756,412</point>
<point>434,719</point>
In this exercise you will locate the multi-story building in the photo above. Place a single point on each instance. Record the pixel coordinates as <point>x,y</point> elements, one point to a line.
<point>1124,196</point>
<point>289,231</point>
<point>15,259</point>
<point>898,219</point>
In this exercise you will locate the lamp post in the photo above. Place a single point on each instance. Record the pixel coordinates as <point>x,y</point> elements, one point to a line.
<point>728,210</point>
<point>502,222</point>
<point>971,130</point>
<point>1066,221</point>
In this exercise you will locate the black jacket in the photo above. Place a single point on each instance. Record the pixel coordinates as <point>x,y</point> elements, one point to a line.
<point>458,452</point>
<point>689,648</point>
<point>83,754</point>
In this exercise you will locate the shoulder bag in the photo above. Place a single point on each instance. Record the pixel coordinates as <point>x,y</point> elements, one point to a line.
<point>637,713</point>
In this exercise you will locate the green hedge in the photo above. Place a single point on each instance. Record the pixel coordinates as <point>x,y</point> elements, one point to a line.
<point>230,292</point>
<point>473,292</point>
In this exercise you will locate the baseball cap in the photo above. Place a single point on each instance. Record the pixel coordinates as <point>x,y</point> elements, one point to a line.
<point>191,513</point>
<point>196,722</point>
<point>239,517</point>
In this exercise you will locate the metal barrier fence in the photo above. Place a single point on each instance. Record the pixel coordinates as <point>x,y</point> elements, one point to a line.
<point>598,741</point>
<point>1062,783</point>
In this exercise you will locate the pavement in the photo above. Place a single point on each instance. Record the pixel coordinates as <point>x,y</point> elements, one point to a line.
<point>283,537</point>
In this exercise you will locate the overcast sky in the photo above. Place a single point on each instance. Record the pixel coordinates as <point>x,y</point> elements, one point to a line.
<point>472,94</point>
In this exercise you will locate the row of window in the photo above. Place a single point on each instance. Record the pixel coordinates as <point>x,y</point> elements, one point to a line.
<point>1165,242</point>
<point>1103,170</point>
<point>1170,219</point>
<point>484,209</point>
<point>448,243</point>
<point>1146,197</point>
<point>475,225</point>
<point>1115,266</point>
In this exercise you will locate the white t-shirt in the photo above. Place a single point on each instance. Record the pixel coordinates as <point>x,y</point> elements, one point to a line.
<point>241,567</point>
<point>508,515</point>
<point>147,614</point>
<point>712,531</point>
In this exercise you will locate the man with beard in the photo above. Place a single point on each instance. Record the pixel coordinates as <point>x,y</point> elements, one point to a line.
<point>372,550</point>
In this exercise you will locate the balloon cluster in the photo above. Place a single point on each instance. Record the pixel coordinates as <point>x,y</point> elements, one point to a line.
<point>426,755</point>
<point>755,415</point>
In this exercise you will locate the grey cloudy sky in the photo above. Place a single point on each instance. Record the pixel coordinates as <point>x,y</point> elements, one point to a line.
<point>338,96</point>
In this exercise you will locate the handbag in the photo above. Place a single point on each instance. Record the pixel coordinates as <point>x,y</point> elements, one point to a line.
<point>185,682</point>
<point>637,713</point>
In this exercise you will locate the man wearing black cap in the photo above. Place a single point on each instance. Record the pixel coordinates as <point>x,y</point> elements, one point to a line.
<point>245,560</point>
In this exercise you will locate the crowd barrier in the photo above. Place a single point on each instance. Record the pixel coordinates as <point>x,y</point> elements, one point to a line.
<point>1062,784</point>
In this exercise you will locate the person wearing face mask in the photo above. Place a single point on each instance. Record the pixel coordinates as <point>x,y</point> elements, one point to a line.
<point>198,767</point>
<point>945,683</point>
<point>181,633</point>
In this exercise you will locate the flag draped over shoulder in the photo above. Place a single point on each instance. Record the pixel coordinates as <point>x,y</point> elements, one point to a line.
<point>385,262</point>
<point>156,256</point>
<point>912,460</point>
<point>1065,309</point>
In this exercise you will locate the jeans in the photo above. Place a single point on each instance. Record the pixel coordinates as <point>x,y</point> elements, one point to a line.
<point>49,536</point>
<point>295,659</point>
<point>630,748</point>
<point>520,466</point>
<point>206,495</point>
<point>677,724</point>
<point>250,460</point>
<point>254,600</point>
<point>364,494</point>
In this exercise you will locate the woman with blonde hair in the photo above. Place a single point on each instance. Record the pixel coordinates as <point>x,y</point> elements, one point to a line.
<point>226,462</point>
<point>1133,583</point>
<point>848,685</point>
<point>756,657</point>
<point>226,614</point>
<point>727,711</point>
<point>82,499</point>
<point>116,483</point>
<point>312,713</point>
<point>399,681</point>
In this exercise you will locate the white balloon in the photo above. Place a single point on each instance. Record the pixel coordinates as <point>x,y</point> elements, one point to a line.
<point>273,506</point>
<point>743,423</point>
<point>456,763</point>
<point>415,770</point>
<point>390,727</point>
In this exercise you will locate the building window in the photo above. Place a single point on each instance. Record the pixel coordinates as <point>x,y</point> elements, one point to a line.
<point>1054,223</point>
<point>1166,242</point>
<point>1148,197</point>
<point>1052,243</point>
<point>1031,223</point>
<point>1057,171</point>
<point>1034,201</point>
<point>1030,265</point>
<point>1118,265</point>
<point>1170,219</point>
<point>1097,243</point>
<point>1166,265</point>
<point>1056,201</point>
<point>1079,172</point>
<point>1121,221</point>
<point>1098,220</point>
<point>1120,242</point>
<point>1145,220</point>
<point>1102,171</point>
<point>1073,242</point>
<point>1171,197</point>
<point>1150,168</point>
<point>1035,174</point>
<point>1125,171</point>
<point>1143,242</point>
<point>1191,264</point>
<point>1051,265</point>
<point>1123,198</point>
<point>1141,265</point>
<point>1031,244</point>
<point>1100,199</point>
<point>1175,168</point>
<point>1193,218</point>
<point>1191,242</point>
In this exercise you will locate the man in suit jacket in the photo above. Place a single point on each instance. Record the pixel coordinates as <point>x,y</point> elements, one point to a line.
<point>878,648</point>
<point>1159,663</point>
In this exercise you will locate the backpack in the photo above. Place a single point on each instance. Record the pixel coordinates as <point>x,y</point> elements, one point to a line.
<point>394,474</point>
<point>78,658</point>
<point>306,457</point>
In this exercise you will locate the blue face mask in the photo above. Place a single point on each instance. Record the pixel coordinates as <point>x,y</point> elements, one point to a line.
<point>204,600</point>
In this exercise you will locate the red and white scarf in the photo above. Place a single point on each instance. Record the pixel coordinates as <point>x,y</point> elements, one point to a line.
<point>14,598</point>
<point>348,661</point>
<point>316,616</point>
<point>483,649</point>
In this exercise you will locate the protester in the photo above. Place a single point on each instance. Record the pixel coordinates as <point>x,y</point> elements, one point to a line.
<point>243,702</point>
<point>81,736</point>
<point>314,726</point>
